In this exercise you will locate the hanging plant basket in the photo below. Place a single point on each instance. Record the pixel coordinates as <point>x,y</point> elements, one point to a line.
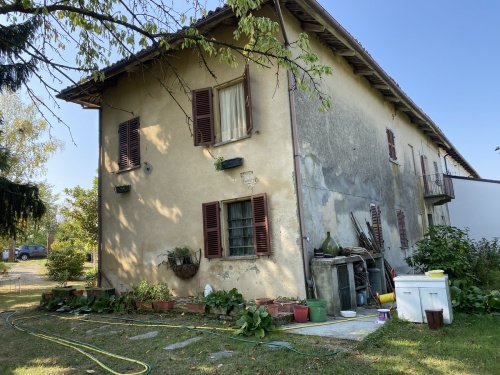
<point>183,262</point>
<point>185,271</point>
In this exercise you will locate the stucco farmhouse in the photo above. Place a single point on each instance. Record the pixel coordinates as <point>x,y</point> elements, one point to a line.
<point>291,174</point>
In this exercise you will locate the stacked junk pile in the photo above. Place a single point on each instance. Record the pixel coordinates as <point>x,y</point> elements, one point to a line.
<point>349,277</point>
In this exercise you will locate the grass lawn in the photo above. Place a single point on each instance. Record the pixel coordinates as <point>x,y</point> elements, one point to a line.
<point>468,346</point>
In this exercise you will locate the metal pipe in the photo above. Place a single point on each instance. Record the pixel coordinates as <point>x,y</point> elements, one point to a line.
<point>446,165</point>
<point>296,162</point>
<point>99,204</point>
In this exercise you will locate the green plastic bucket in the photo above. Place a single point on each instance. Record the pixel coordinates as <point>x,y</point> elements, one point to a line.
<point>317,314</point>
<point>316,302</point>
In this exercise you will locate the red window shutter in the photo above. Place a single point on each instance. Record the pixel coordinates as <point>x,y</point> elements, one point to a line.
<point>134,143</point>
<point>260,225</point>
<point>248,99</point>
<point>377,224</point>
<point>203,118</point>
<point>402,229</point>
<point>129,144</point>
<point>123,146</point>
<point>211,230</point>
<point>392,144</point>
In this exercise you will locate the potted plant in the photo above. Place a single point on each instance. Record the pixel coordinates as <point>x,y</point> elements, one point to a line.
<point>223,302</point>
<point>183,262</point>
<point>160,295</point>
<point>63,290</point>
<point>91,278</point>
<point>197,305</point>
<point>285,304</point>
<point>143,295</point>
<point>300,311</point>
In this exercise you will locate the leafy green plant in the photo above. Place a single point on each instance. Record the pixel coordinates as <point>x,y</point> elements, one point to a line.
<point>62,278</point>
<point>471,299</point>
<point>64,257</point>
<point>444,247</point>
<point>160,292</point>
<point>91,278</point>
<point>143,291</point>
<point>253,321</point>
<point>197,299</point>
<point>218,163</point>
<point>485,263</point>
<point>226,300</point>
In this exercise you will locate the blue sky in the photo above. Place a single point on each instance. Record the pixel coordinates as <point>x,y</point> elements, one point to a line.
<point>444,54</point>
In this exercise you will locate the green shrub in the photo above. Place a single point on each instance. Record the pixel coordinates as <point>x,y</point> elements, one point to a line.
<point>447,248</point>
<point>471,299</point>
<point>485,263</point>
<point>224,299</point>
<point>160,292</point>
<point>91,277</point>
<point>64,259</point>
<point>254,321</point>
<point>143,291</point>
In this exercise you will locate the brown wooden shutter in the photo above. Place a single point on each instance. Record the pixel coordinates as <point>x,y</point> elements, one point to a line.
<point>211,230</point>
<point>123,145</point>
<point>423,164</point>
<point>392,144</point>
<point>134,143</point>
<point>248,99</point>
<point>377,224</point>
<point>203,117</point>
<point>261,240</point>
<point>402,229</point>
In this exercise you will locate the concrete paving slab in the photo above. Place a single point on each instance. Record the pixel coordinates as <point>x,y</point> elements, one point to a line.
<point>182,344</point>
<point>148,335</point>
<point>223,354</point>
<point>341,328</point>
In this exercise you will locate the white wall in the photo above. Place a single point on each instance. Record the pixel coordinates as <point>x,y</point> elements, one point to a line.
<point>476,206</point>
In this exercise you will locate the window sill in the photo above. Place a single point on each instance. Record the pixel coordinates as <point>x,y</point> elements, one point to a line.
<point>232,141</point>
<point>241,257</point>
<point>394,161</point>
<point>127,169</point>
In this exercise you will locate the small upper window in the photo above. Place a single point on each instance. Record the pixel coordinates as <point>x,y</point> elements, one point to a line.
<point>234,112</point>
<point>129,144</point>
<point>392,144</point>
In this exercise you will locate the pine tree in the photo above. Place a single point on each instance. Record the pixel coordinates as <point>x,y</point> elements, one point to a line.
<point>15,69</point>
<point>18,202</point>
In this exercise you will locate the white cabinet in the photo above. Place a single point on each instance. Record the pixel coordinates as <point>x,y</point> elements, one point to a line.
<point>415,294</point>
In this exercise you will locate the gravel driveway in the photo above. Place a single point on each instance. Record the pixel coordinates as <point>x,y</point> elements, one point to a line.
<point>32,275</point>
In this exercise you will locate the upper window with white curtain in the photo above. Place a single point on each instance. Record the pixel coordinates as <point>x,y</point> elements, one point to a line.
<point>232,113</point>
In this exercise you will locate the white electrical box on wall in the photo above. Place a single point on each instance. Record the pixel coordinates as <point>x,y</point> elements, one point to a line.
<point>415,294</point>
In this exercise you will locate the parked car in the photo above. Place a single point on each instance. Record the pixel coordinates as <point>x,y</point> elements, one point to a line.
<point>26,252</point>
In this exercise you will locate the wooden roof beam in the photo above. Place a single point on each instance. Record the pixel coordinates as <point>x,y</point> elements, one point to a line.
<point>346,52</point>
<point>313,27</point>
<point>364,72</point>
<point>381,87</point>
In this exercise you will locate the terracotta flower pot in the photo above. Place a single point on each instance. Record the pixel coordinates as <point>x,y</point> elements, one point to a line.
<point>272,309</point>
<point>78,292</point>
<point>48,295</point>
<point>263,301</point>
<point>197,308</point>
<point>144,306</point>
<point>285,306</point>
<point>300,313</point>
<point>163,305</point>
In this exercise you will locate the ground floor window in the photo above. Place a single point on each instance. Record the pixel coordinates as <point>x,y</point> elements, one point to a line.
<point>240,228</point>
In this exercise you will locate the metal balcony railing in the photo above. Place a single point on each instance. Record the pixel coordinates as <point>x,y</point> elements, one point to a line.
<point>438,186</point>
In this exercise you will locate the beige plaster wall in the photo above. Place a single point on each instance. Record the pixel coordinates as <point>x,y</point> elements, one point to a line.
<point>346,165</point>
<point>164,209</point>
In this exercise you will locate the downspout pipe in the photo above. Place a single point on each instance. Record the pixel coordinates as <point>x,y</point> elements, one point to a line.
<point>99,205</point>
<point>296,162</point>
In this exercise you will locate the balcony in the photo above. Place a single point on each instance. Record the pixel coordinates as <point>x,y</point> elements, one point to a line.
<point>438,189</point>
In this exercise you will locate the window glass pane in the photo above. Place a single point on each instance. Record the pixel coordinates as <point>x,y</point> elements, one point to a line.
<point>240,228</point>
<point>232,112</point>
